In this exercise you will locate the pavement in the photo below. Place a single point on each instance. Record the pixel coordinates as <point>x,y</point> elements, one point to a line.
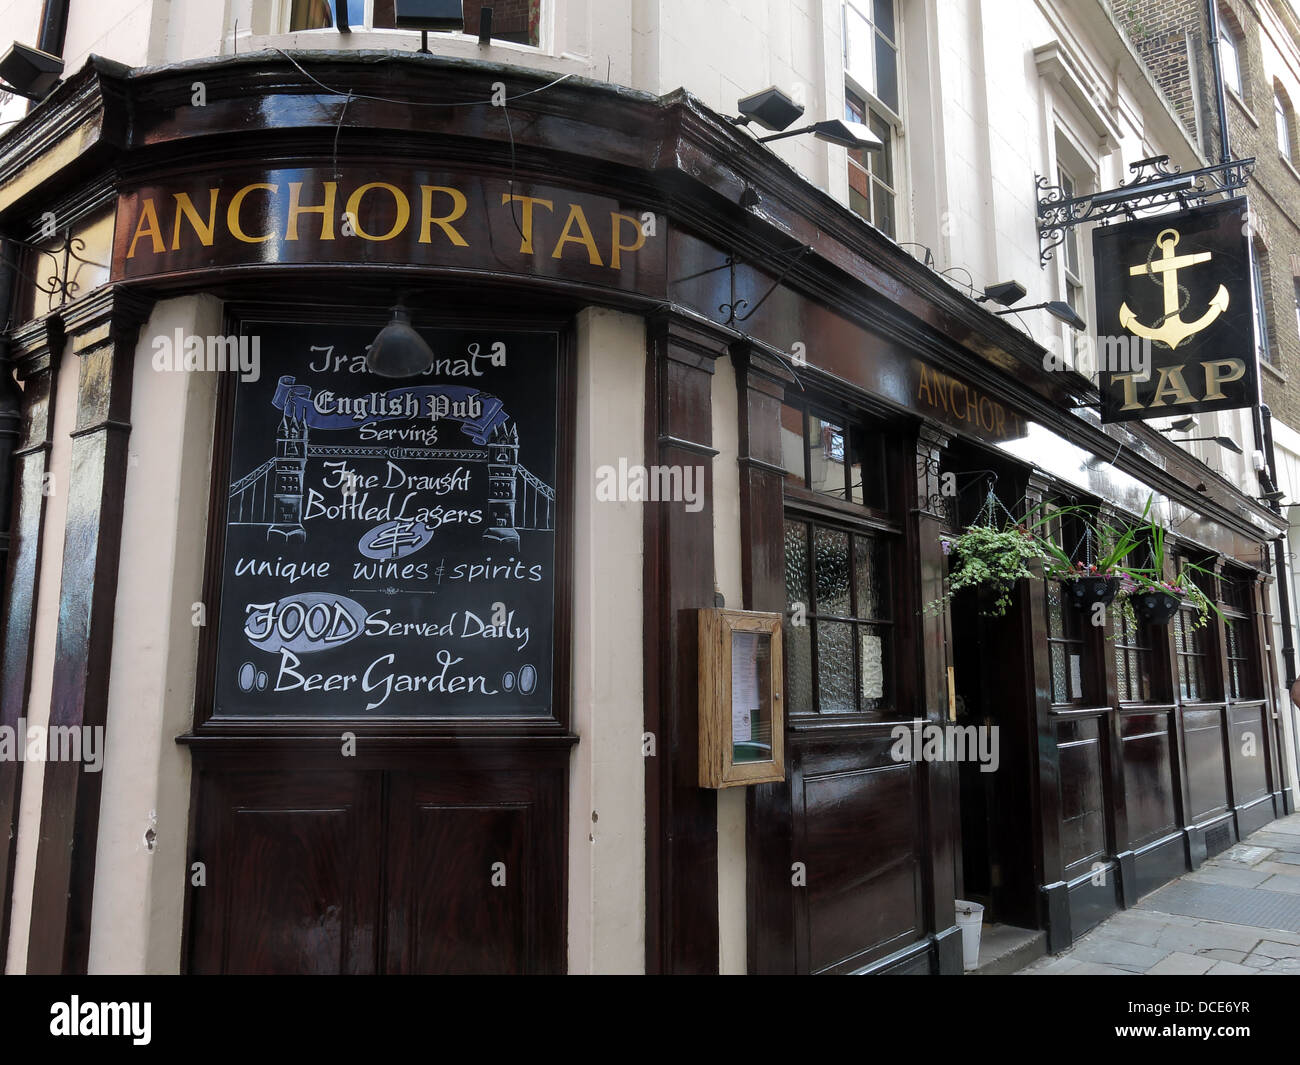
<point>1239,913</point>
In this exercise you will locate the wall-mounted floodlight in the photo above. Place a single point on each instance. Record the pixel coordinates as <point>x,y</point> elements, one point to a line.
<point>1223,441</point>
<point>1002,292</point>
<point>29,72</point>
<point>771,109</point>
<point>429,15</point>
<point>1181,426</point>
<point>835,130</point>
<point>1058,309</point>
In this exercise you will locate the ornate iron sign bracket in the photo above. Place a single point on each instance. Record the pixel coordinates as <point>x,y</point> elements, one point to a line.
<point>1155,183</point>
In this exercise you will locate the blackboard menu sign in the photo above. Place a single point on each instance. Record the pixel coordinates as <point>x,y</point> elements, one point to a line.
<point>390,544</point>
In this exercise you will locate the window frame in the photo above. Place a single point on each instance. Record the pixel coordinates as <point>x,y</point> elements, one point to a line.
<point>1230,42</point>
<point>1262,333</point>
<point>281,17</point>
<point>875,521</point>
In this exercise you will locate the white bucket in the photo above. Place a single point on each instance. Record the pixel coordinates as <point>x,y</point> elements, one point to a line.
<point>970,919</point>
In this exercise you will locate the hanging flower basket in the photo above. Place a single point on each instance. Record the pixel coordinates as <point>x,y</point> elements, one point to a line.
<point>1155,608</point>
<point>1086,591</point>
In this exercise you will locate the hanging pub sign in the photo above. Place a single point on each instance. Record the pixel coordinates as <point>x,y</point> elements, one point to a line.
<point>1175,321</point>
<point>390,544</point>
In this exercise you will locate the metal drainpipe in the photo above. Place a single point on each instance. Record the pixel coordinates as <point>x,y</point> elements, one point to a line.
<point>1225,153</point>
<point>11,399</point>
<point>54,26</point>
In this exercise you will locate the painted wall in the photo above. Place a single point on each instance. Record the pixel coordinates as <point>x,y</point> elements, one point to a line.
<point>140,874</point>
<point>606,785</point>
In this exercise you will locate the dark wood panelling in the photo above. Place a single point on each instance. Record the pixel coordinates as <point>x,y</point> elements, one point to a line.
<point>1159,862</point>
<point>1083,829</point>
<point>1206,769</point>
<point>17,631</point>
<point>293,869</point>
<point>769,830</point>
<point>102,332</point>
<point>430,867</point>
<point>1248,749</point>
<point>1148,778</point>
<point>476,861</point>
<point>857,832</point>
<point>681,817</point>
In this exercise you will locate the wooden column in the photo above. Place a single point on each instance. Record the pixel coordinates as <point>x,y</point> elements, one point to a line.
<point>939,780</point>
<point>681,817</point>
<point>37,347</point>
<point>760,384</point>
<point>101,331</point>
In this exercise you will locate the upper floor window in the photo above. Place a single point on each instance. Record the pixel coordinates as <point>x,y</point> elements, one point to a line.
<point>1284,122</point>
<point>871,48</point>
<point>1258,260</point>
<point>1230,55</point>
<point>872,190</point>
<point>1072,260</point>
<point>512,20</point>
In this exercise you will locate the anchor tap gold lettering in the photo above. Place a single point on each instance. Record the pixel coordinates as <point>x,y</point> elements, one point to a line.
<point>1171,329</point>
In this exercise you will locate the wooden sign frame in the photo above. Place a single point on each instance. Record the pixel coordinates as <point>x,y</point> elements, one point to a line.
<point>718,767</point>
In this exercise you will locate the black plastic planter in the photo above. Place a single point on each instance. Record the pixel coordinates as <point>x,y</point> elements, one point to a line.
<point>1156,608</point>
<point>1086,592</point>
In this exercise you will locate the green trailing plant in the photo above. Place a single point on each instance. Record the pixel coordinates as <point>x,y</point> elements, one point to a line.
<point>993,557</point>
<point>992,560</point>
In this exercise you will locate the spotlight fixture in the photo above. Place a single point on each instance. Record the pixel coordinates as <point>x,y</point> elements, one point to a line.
<point>1222,441</point>
<point>1180,426</point>
<point>29,72</point>
<point>429,15</point>
<point>835,130</point>
<point>1058,309</point>
<point>1275,496</point>
<point>1002,292</point>
<point>398,350</point>
<point>771,109</point>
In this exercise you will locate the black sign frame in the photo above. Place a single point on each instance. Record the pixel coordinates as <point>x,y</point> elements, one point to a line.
<point>243,320</point>
<point>1196,332</point>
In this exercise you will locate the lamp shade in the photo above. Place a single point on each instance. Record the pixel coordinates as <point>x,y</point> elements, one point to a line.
<point>398,350</point>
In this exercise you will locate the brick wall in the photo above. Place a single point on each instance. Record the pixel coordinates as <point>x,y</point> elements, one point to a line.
<point>1161,31</point>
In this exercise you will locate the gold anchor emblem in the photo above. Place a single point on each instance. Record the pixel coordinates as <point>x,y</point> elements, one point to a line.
<point>1171,329</point>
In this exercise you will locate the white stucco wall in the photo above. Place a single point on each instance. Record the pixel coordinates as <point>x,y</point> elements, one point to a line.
<point>140,888</point>
<point>607,785</point>
<point>727,577</point>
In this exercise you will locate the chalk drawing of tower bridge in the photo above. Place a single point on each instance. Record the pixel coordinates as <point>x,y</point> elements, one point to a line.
<point>272,495</point>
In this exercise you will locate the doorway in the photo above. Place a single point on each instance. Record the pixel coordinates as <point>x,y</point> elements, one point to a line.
<point>993,715</point>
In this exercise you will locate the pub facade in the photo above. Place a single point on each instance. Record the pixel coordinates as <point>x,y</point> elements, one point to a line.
<point>403,673</point>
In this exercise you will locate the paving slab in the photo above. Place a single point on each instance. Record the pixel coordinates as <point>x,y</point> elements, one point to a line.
<point>1282,882</point>
<point>1180,964</point>
<point>1286,857</point>
<point>1090,968</point>
<point>1213,874</point>
<point>1271,948</point>
<point>1227,968</point>
<point>1223,954</point>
